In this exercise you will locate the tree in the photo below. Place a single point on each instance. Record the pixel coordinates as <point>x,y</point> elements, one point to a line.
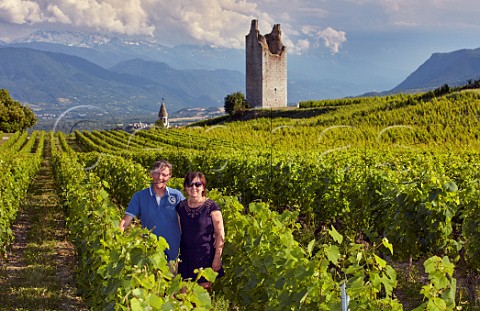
<point>13,115</point>
<point>235,102</point>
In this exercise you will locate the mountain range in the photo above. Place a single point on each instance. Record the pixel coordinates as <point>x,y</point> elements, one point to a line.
<point>454,68</point>
<point>54,71</point>
<point>50,78</point>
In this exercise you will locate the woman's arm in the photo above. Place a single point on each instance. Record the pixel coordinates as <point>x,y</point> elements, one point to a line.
<point>219,235</point>
<point>179,223</point>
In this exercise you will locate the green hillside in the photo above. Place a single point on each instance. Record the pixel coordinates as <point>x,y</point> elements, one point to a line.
<point>380,192</point>
<point>377,194</point>
<point>448,121</point>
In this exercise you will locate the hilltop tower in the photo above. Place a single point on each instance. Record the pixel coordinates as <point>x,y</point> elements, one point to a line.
<point>266,68</point>
<point>163,116</point>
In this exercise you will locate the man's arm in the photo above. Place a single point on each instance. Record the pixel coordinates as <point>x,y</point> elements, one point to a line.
<point>125,222</point>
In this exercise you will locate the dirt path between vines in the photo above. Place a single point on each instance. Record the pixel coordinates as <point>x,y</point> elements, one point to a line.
<point>38,272</point>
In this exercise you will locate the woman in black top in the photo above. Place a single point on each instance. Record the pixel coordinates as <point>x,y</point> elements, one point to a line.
<point>203,234</point>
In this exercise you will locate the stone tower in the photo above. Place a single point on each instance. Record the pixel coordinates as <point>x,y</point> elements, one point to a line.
<point>163,116</point>
<point>266,68</point>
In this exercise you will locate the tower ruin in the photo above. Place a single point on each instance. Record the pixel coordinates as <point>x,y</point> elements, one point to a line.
<point>266,68</point>
<point>163,116</point>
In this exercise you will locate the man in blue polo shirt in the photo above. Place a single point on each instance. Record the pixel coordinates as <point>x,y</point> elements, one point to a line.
<point>155,207</point>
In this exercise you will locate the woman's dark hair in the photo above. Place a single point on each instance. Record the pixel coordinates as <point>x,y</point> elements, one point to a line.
<point>191,176</point>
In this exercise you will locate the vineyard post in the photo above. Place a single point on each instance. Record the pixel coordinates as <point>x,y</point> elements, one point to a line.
<point>345,298</point>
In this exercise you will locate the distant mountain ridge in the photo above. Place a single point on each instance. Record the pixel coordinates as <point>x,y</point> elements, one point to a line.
<point>310,76</point>
<point>55,81</point>
<point>453,68</point>
<point>52,71</point>
<point>68,38</point>
<point>108,51</point>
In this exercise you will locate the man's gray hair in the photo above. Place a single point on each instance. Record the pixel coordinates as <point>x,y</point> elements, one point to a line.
<point>160,164</point>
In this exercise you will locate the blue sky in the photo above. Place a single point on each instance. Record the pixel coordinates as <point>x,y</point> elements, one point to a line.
<point>396,35</point>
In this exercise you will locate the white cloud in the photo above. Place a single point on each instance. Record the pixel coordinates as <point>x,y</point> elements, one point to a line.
<point>303,44</point>
<point>220,23</point>
<point>119,16</point>
<point>58,15</point>
<point>20,12</point>
<point>224,23</point>
<point>332,39</point>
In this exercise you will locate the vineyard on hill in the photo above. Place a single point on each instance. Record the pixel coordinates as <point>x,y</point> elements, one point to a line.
<point>380,196</point>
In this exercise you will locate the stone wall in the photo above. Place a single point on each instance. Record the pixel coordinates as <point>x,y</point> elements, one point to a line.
<point>266,68</point>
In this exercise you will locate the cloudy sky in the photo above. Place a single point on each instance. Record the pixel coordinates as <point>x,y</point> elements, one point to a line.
<point>400,33</point>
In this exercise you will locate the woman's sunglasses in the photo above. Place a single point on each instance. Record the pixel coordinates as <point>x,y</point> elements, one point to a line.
<point>196,184</point>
